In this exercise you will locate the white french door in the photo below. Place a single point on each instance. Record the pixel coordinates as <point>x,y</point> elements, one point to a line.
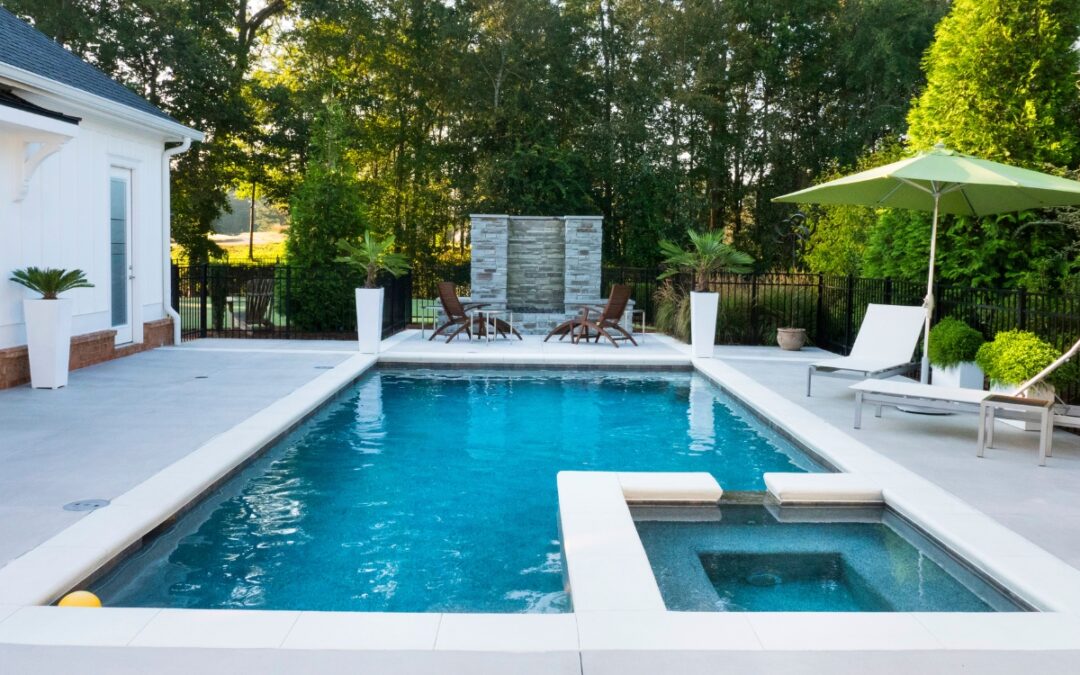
<point>121,268</point>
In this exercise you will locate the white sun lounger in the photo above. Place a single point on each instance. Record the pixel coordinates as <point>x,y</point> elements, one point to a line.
<point>914,395</point>
<point>883,347</point>
<point>954,399</point>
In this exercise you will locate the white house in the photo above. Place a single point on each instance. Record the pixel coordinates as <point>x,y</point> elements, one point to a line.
<point>84,183</point>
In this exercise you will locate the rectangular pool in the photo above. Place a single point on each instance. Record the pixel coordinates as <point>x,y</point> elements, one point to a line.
<point>434,490</point>
<point>744,558</point>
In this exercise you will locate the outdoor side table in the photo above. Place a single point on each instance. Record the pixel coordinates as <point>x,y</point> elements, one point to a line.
<point>429,312</point>
<point>1016,408</point>
<point>644,328</point>
<point>489,322</point>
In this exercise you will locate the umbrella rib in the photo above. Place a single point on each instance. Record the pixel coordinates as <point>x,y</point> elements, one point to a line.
<point>914,185</point>
<point>964,194</point>
<point>890,193</point>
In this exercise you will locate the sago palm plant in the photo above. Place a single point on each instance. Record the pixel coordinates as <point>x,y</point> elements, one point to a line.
<point>49,281</point>
<point>707,256</point>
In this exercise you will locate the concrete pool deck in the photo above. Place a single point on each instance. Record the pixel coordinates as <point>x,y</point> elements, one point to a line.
<point>582,642</point>
<point>1040,503</point>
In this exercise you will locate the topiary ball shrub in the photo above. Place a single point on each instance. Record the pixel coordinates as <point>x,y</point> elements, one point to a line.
<point>1015,356</point>
<point>953,342</point>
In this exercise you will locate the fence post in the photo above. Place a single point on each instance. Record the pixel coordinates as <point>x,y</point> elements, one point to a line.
<point>849,319</point>
<point>820,338</point>
<point>752,337</point>
<point>202,299</point>
<point>288,302</point>
<point>888,291</point>
<point>1021,309</point>
<point>174,294</point>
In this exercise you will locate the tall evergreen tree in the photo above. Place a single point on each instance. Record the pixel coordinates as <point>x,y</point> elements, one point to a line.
<point>1002,82</point>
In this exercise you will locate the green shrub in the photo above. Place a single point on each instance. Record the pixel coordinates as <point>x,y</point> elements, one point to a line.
<point>1015,356</point>
<point>953,342</point>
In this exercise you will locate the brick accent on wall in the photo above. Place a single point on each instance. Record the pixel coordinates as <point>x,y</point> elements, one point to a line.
<point>86,350</point>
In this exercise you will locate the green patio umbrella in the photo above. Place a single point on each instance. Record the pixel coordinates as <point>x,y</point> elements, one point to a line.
<point>943,181</point>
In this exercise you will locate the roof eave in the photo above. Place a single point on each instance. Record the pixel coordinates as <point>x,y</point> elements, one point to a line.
<point>94,103</point>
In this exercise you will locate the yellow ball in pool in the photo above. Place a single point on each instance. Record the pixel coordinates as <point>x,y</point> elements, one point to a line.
<point>80,599</point>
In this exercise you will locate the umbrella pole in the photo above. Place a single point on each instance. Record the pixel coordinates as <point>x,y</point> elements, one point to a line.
<point>928,302</point>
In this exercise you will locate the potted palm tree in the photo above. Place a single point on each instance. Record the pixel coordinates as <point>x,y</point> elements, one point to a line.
<point>371,255</point>
<point>707,256</point>
<point>48,322</point>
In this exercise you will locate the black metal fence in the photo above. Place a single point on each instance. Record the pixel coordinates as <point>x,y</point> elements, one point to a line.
<point>425,291</point>
<point>279,301</point>
<point>831,309</point>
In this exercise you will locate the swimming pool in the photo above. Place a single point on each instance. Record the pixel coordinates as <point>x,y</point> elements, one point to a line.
<point>434,490</point>
<point>746,558</point>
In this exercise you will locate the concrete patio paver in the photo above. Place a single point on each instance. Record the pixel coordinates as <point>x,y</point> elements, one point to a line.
<point>120,422</point>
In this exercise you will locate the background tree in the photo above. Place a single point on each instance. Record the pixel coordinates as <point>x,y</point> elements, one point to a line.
<point>1001,84</point>
<point>188,57</point>
<point>661,115</point>
<point>326,209</point>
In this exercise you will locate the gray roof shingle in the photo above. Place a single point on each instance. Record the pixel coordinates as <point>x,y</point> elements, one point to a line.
<point>23,46</point>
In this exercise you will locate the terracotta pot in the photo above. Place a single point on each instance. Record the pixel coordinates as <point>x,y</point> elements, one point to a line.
<point>791,339</point>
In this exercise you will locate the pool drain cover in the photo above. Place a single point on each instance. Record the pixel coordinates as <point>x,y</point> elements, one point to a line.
<point>86,505</point>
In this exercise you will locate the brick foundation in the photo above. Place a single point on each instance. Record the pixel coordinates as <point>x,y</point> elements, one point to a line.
<point>86,350</point>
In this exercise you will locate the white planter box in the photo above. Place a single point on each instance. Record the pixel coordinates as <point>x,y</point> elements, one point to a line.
<point>369,315</point>
<point>703,308</point>
<point>48,337</point>
<point>966,375</point>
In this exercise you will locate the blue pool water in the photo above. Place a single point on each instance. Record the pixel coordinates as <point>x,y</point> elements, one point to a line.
<point>434,490</point>
<point>754,559</point>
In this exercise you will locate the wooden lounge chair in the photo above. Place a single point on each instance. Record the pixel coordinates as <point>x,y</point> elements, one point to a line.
<point>258,300</point>
<point>457,314</point>
<point>606,319</point>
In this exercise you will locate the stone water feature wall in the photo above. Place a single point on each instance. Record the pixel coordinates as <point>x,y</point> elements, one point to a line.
<point>539,267</point>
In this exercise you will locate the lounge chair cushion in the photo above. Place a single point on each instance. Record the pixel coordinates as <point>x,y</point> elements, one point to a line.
<point>919,390</point>
<point>862,365</point>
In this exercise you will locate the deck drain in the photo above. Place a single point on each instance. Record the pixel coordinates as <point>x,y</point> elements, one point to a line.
<point>86,505</point>
<point>324,367</point>
<point>202,377</point>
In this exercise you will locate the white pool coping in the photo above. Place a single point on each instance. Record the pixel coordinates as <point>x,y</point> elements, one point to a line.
<point>616,602</point>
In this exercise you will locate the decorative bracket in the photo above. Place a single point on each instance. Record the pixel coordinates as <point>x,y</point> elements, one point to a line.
<point>35,152</point>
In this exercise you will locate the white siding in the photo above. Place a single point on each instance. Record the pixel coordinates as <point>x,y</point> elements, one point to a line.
<point>63,222</point>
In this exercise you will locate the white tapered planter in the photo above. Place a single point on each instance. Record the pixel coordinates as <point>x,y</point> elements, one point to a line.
<point>703,307</point>
<point>369,315</point>
<point>48,337</point>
